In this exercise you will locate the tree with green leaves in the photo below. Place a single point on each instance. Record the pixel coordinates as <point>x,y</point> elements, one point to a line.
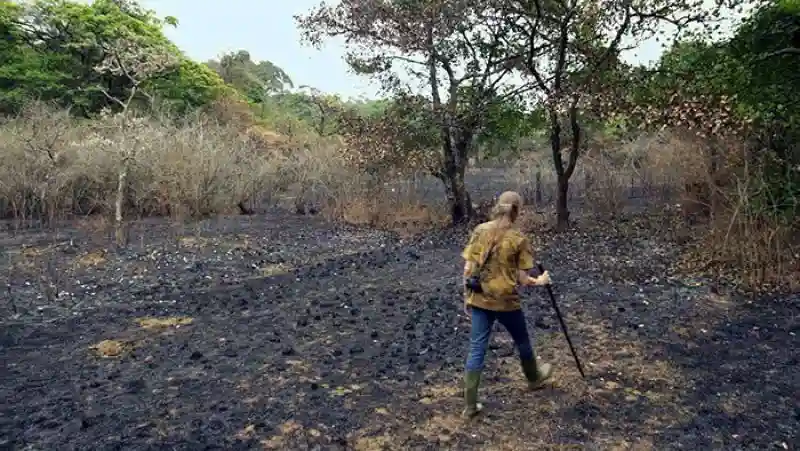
<point>507,123</point>
<point>52,47</point>
<point>451,47</point>
<point>255,80</point>
<point>745,86</point>
<point>570,49</point>
<point>325,110</point>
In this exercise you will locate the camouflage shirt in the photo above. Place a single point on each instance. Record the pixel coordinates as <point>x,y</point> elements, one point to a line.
<point>499,274</point>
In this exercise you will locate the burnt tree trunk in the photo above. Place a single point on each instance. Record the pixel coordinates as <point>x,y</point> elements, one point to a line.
<point>457,194</point>
<point>457,138</point>
<point>454,177</point>
<point>458,198</point>
<point>562,207</point>
<point>243,209</point>
<point>563,173</point>
<point>538,189</point>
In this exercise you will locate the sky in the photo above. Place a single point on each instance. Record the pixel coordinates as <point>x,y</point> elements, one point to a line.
<point>267,29</point>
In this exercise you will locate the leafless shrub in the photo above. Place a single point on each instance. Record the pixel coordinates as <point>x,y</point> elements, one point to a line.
<point>532,176</point>
<point>194,169</point>
<point>752,232</point>
<point>190,170</point>
<point>719,187</point>
<point>37,165</point>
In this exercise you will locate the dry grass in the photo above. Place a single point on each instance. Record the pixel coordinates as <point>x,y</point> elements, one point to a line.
<point>763,249</point>
<point>658,167</point>
<point>95,258</point>
<point>109,348</point>
<point>163,323</point>
<point>730,232</point>
<point>149,328</point>
<point>530,175</point>
<point>53,166</point>
<point>288,430</point>
<point>404,215</point>
<point>656,164</point>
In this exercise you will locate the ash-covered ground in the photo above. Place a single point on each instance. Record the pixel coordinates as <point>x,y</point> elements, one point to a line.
<point>280,331</point>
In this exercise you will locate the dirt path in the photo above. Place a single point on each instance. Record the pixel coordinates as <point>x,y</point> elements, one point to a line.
<point>288,334</point>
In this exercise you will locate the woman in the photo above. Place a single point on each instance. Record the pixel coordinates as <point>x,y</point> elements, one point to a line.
<point>499,256</point>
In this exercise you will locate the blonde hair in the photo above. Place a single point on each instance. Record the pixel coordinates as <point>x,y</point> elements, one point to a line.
<point>507,209</point>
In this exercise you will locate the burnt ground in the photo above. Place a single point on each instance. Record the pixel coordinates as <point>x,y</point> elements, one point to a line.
<point>282,332</point>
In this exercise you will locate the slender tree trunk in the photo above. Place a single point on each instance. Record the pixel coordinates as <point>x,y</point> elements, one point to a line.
<point>564,172</point>
<point>454,178</point>
<point>562,210</point>
<point>121,233</point>
<point>457,137</point>
<point>562,191</point>
<point>714,180</point>
<point>538,188</point>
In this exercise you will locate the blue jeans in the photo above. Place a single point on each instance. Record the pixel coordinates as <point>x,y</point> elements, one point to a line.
<point>482,322</point>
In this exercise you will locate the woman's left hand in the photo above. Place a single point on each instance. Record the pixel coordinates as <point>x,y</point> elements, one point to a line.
<point>467,310</point>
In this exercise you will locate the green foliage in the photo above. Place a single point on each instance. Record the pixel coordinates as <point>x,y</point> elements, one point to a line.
<point>758,72</point>
<point>767,79</point>
<point>191,86</point>
<point>290,113</point>
<point>25,73</point>
<point>298,113</point>
<point>418,124</point>
<point>768,91</point>
<point>507,122</point>
<point>751,68</point>
<point>255,80</point>
<point>52,48</point>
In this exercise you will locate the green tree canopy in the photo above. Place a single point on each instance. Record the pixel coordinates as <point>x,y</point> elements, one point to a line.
<point>52,48</point>
<point>256,80</point>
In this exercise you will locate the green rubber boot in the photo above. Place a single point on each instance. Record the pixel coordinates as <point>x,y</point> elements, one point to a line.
<point>536,373</point>
<point>472,379</point>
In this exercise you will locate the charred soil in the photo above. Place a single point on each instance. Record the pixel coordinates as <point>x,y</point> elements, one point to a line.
<point>279,331</point>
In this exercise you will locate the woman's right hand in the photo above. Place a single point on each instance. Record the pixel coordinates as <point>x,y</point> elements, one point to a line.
<point>543,279</point>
